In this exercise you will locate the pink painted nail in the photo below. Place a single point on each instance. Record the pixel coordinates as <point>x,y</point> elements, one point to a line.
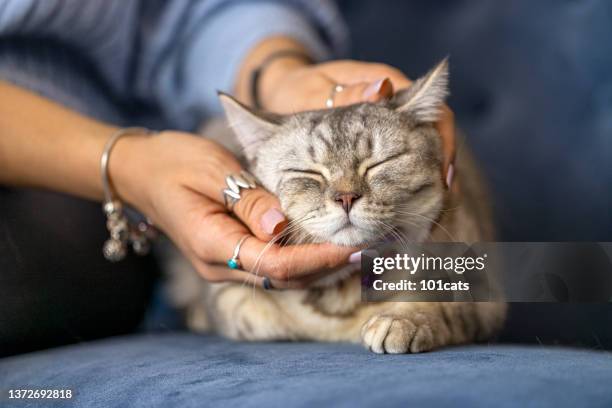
<point>272,220</point>
<point>374,88</point>
<point>450,173</point>
<point>355,257</point>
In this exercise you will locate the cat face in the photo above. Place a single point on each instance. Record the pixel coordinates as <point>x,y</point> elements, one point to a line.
<point>356,174</point>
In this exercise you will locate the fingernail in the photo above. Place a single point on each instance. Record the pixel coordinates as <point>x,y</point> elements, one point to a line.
<point>450,173</point>
<point>355,257</point>
<point>272,221</point>
<point>374,88</point>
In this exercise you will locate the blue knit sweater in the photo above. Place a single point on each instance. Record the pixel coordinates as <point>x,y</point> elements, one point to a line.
<point>172,54</point>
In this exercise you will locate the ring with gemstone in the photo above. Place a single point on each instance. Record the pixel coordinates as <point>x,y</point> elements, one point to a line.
<point>234,261</point>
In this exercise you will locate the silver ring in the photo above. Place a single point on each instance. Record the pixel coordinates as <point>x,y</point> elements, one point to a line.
<point>234,183</point>
<point>337,88</point>
<point>234,261</point>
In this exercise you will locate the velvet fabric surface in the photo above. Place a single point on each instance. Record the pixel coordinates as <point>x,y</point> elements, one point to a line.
<point>189,370</point>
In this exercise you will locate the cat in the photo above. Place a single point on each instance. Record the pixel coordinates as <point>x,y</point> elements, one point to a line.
<point>388,156</point>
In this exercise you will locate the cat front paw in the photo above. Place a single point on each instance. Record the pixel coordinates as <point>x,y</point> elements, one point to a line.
<point>396,334</point>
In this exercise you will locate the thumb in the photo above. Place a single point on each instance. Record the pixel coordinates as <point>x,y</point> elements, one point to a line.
<point>260,212</point>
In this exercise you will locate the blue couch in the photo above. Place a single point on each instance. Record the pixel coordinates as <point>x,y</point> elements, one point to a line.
<point>187,370</point>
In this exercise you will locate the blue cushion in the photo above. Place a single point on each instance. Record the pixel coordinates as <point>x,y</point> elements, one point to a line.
<point>188,370</point>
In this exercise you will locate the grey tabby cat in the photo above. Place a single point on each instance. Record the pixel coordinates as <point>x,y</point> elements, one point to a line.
<point>350,176</point>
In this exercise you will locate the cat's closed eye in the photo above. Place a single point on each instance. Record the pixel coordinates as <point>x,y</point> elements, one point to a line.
<point>303,171</point>
<point>384,161</point>
<point>422,187</point>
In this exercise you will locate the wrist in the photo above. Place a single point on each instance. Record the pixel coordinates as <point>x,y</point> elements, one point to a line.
<point>277,73</point>
<point>269,70</point>
<point>127,171</point>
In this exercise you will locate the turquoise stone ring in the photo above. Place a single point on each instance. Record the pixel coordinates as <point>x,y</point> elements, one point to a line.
<point>234,261</point>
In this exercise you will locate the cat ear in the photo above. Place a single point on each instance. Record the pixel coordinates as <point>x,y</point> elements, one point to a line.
<point>250,128</point>
<point>424,99</point>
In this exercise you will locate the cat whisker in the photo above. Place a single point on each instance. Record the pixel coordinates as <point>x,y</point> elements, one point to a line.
<point>396,233</point>
<point>429,220</point>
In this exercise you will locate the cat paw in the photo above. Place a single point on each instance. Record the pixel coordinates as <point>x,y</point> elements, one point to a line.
<point>395,334</point>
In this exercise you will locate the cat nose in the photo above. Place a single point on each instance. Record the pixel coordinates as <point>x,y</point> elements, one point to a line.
<point>346,200</point>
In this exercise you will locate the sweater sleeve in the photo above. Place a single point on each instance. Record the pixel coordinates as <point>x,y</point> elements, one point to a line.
<point>198,49</point>
<point>172,54</point>
<point>100,31</point>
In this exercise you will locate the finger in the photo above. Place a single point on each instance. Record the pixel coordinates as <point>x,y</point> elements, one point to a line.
<point>446,128</point>
<point>351,72</point>
<point>260,211</point>
<point>218,273</point>
<point>364,92</point>
<point>294,261</point>
<point>222,273</point>
<point>378,90</point>
<point>279,262</point>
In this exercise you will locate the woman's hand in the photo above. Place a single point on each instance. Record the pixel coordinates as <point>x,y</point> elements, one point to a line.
<point>308,86</point>
<point>176,179</point>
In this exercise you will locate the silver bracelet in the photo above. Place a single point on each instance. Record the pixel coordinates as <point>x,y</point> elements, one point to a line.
<point>122,232</point>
